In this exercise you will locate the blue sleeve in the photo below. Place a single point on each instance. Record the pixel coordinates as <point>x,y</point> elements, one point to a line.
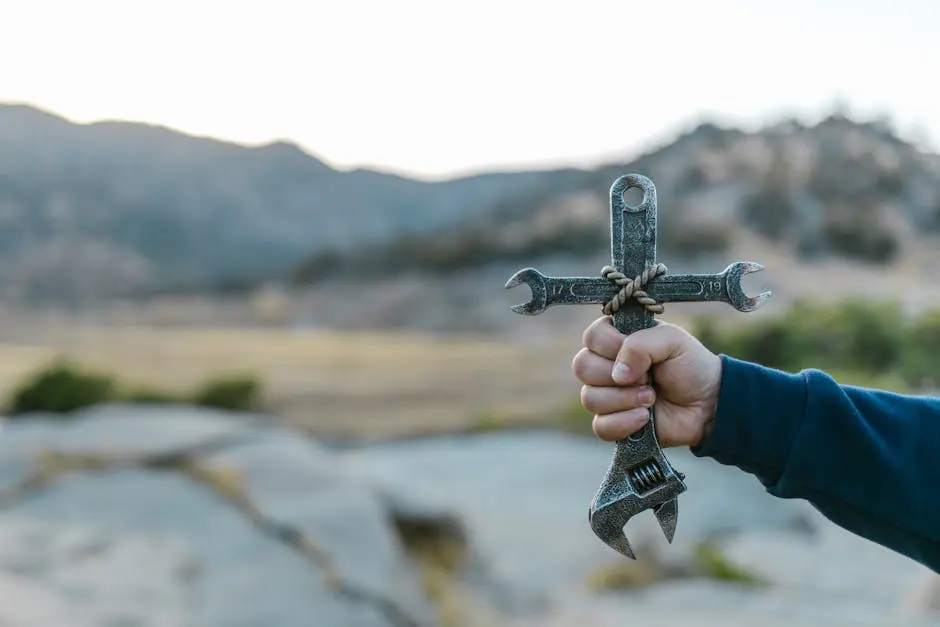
<point>868,460</point>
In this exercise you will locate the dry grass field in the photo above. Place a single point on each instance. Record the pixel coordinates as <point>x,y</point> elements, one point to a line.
<point>375,384</point>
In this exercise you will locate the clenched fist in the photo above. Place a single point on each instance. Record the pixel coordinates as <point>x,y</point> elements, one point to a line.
<point>615,370</point>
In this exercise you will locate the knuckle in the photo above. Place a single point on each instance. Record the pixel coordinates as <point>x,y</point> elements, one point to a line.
<point>602,431</point>
<point>651,340</point>
<point>593,335</point>
<point>629,398</point>
<point>589,398</point>
<point>579,364</point>
<point>585,397</point>
<point>589,337</point>
<point>674,337</point>
<point>672,331</point>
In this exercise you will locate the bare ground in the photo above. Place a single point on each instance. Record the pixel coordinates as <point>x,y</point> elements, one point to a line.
<point>336,382</point>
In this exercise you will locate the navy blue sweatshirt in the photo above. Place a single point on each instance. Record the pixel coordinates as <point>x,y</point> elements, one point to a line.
<point>868,460</point>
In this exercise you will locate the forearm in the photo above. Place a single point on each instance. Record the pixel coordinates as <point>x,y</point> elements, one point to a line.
<point>868,460</point>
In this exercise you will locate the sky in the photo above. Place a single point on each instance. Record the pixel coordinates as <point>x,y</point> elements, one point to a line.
<point>434,89</point>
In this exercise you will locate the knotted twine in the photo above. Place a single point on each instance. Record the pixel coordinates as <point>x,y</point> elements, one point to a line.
<point>633,288</point>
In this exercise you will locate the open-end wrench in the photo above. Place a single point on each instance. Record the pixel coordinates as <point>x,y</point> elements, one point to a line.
<point>723,287</point>
<point>639,477</point>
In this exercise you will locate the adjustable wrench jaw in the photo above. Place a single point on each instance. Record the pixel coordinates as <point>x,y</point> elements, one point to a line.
<point>639,478</point>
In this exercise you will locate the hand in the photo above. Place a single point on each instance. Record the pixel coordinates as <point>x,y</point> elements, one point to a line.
<point>615,372</point>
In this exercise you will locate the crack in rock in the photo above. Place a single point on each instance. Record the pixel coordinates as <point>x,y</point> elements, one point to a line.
<point>51,465</point>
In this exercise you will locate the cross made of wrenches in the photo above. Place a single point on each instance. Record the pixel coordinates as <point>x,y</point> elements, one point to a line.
<point>632,290</point>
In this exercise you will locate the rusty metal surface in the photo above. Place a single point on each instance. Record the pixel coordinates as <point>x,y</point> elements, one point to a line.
<point>640,476</point>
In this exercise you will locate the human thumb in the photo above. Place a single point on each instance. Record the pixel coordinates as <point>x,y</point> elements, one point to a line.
<point>646,348</point>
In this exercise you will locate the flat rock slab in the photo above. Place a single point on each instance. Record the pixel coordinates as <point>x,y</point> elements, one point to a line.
<point>835,565</point>
<point>115,430</point>
<point>525,497</point>
<point>299,485</point>
<point>275,529</point>
<point>175,547</point>
<point>84,576</point>
<point>711,604</point>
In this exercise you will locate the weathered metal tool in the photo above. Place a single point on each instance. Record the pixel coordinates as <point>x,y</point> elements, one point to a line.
<point>639,477</point>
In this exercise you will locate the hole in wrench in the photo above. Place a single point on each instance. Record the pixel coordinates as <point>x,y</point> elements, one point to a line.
<point>633,197</point>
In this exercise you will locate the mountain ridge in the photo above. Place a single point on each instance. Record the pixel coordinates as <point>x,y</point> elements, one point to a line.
<point>174,208</point>
<point>111,208</point>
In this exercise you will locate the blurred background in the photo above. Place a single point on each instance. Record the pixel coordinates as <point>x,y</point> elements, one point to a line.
<point>257,363</point>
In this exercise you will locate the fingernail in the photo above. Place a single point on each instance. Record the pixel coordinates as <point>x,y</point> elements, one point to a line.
<point>640,414</point>
<point>621,373</point>
<point>646,397</point>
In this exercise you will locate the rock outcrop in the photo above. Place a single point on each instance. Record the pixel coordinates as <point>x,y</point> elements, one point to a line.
<point>135,516</point>
<point>173,517</point>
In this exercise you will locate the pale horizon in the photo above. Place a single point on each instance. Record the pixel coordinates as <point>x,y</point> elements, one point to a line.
<point>433,91</point>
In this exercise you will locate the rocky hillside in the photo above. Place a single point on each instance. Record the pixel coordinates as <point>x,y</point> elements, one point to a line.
<point>113,207</point>
<point>837,189</point>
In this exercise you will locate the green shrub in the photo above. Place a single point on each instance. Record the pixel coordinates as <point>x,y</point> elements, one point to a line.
<point>861,238</point>
<point>770,211</point>
<point>766,342</point>
<point>855,336</point>
<point>233,392</point>
<point>61,387</point>
<point>920,363</point>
